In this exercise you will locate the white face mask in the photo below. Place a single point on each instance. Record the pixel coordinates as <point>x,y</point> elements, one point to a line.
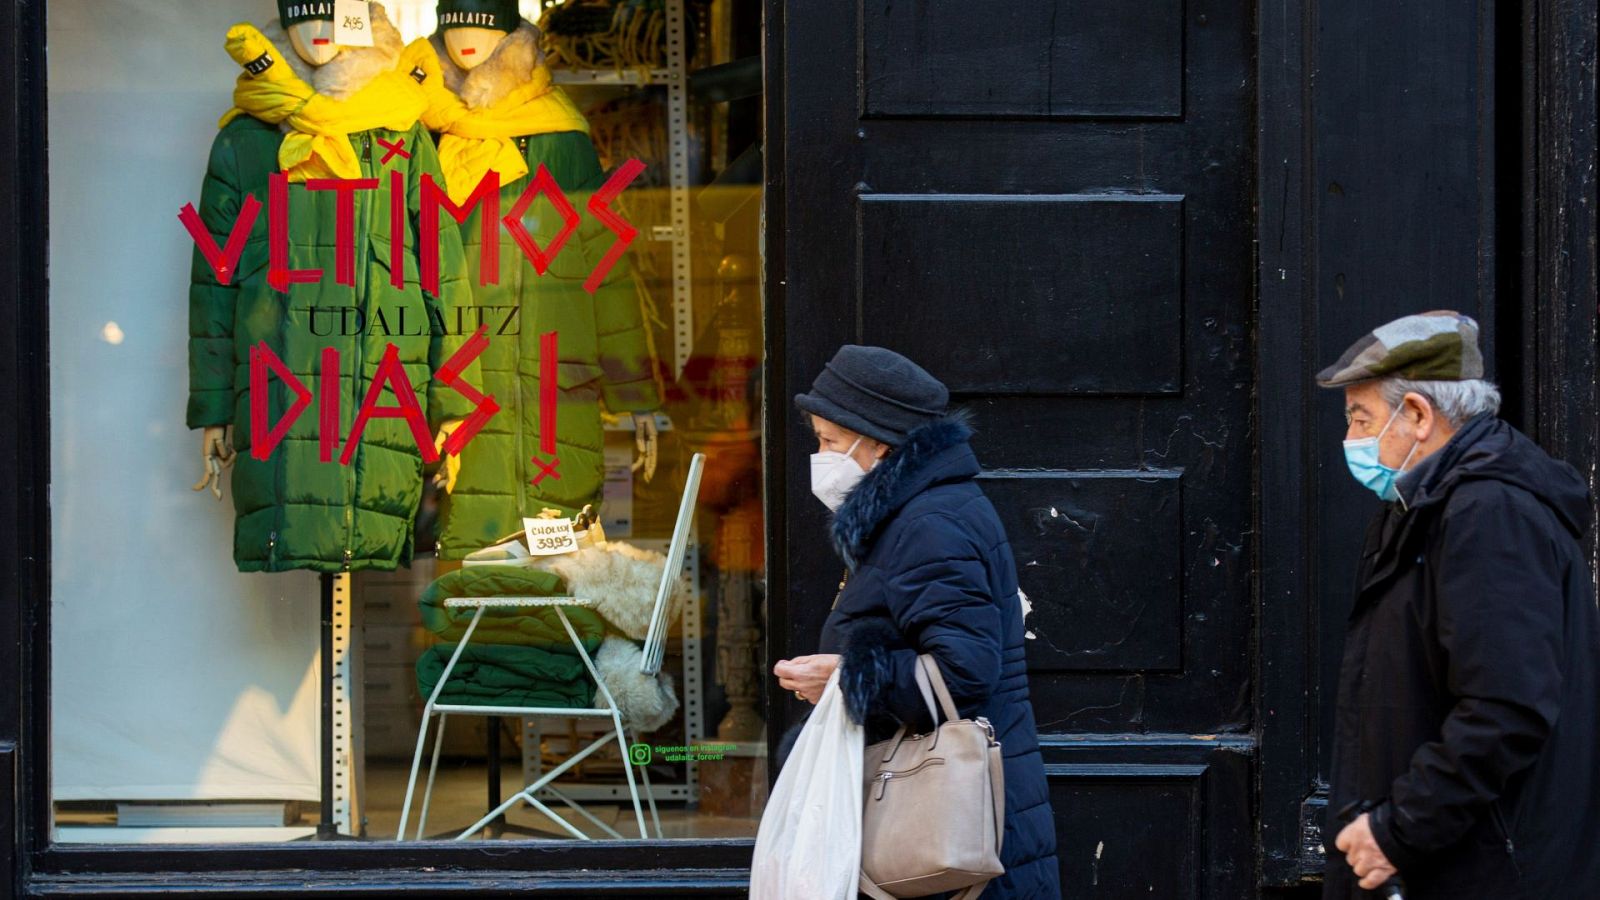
<point>834,474</point>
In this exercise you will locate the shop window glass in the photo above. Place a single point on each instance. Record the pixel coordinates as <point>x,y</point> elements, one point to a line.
<point>264,331</point>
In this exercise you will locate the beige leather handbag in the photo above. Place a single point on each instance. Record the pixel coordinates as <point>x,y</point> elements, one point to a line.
<point>934,805</point>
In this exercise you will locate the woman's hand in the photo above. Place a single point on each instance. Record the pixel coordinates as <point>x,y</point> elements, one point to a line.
<point>806,675</point>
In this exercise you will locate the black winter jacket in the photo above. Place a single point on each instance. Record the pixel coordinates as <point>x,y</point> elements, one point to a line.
<point>1468,696</point>
<point>931,571</point>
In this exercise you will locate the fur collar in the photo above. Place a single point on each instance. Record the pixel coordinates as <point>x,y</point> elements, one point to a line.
<point>353,68</point>
<point>509,67</point>
<point>893,481</point>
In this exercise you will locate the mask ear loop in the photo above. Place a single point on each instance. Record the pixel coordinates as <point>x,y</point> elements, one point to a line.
<point>1401,494</point>
<point>850,455</point>
<point>1385,429</point>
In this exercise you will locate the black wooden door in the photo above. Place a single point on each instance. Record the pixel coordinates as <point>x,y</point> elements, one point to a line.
<point>1049,205</point>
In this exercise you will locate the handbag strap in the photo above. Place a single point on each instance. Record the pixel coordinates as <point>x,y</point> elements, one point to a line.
<point>928,669</point>
<point>926,690</point>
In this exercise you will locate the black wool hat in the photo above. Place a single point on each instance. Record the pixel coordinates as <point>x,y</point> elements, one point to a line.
<point>501,15</point>
<point>293,12</point>
<point>876,392</point>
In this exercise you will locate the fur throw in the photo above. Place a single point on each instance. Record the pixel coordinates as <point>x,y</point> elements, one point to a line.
<point>353,68</point>
<point>646,702</point>
<point>891,482</point>
<point>510,66</point>
<point>622,580</point>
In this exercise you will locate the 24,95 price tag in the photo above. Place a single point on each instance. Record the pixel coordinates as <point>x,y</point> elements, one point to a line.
<point>547,537</point>
<point>351,25</point>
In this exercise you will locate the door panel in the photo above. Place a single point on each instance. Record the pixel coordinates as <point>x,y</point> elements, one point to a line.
<point>1082,292</point>
<point>1070,58</point>
<point>1105,547</point>
<point>1049,206</point>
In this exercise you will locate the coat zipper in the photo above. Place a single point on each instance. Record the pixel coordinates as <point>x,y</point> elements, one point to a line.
<point>1505,833</point>
<point>522,467</point>
<point>360,342</point>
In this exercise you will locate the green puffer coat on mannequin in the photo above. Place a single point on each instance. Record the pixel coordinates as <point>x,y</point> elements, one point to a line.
<point>294,511</point>
<point>603,353</point>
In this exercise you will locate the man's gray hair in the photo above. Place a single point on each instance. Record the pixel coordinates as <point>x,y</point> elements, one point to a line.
<point>1457,401</point>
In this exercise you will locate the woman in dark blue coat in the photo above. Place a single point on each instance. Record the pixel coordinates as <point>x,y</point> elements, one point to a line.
<point>928,570</point>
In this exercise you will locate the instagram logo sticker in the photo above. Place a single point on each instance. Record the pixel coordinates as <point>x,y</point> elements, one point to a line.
<point>639,754</point>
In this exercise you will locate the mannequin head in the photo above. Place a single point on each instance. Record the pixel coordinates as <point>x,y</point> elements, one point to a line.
<point>470,46</point>
<point>472,29</point>
<point>313,41</point>
<point>309,24</point>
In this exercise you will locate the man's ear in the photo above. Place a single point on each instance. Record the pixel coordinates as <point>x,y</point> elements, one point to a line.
<point>1421,413</point>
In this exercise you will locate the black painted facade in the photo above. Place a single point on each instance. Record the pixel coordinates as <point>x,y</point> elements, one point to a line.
<point>1126,235</point>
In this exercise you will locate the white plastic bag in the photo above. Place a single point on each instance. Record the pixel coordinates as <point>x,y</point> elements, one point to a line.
<point>808,846</point>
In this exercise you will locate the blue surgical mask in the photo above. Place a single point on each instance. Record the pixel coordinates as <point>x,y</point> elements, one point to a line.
<point>1361,455</point>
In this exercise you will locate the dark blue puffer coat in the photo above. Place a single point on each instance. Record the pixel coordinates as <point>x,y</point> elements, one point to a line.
<point>931,571</point>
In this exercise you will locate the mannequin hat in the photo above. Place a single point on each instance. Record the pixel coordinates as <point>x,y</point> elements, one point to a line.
<point>501,15</point>
<point>293,12</point>
<point>876,392</point>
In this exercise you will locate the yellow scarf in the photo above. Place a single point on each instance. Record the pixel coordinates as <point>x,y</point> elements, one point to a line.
<point>474,141</point>
<point>319,145</point>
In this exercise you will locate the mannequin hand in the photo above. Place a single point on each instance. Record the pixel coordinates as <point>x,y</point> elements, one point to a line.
<point>806,674</point>
<point>644,440</point>
<point>420,54</point>
<point>216,453</point>
<point>450,466</point>
<point>245,43</point>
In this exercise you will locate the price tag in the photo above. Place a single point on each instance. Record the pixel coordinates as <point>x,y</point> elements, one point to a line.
<point>352,26</point>
<point>548,537</point>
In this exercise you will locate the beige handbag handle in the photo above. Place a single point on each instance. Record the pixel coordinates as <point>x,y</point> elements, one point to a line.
<point>925,662</point>
<point>928,670</point>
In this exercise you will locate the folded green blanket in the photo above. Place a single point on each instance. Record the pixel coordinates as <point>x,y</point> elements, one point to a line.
<point>504,675</point>
<point>524,626</point>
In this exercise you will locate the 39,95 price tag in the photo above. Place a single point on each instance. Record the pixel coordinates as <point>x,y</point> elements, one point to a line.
<point>547,537</point>
<point>352,26</point>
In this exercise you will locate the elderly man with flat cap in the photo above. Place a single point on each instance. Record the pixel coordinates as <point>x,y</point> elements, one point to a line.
<point>1465,758</point>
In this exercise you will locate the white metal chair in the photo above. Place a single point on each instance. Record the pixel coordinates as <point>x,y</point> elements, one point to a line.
<point>654,653</point>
